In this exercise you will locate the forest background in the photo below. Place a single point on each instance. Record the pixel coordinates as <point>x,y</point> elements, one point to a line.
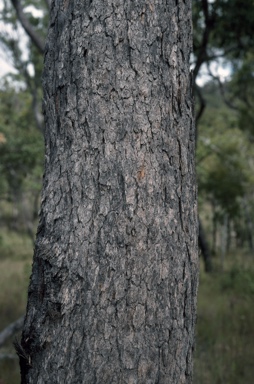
<point>223,43</point>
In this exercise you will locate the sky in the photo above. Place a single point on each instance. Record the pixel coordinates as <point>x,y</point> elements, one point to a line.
<point>218,69</point>
<point>5,62</point>
<point>4,66</point>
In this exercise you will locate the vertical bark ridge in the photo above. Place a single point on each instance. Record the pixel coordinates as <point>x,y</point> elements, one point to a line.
<point>112,297</point>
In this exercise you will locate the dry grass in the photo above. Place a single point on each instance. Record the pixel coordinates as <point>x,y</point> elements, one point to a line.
<point>15,265</point>
<point>225,327</point>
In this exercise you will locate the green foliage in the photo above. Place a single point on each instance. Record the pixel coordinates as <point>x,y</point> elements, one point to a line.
<point>21,151</point>
<point>223,173</point>
<point>240,281</point>
<point>228,25</point>
<point>234,23</point>
<point>242,90</point>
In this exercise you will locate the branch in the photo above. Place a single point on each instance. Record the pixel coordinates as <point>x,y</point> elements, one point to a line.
<point>35,104</point>
<point>222,90</point>
<point>202,54</point>
<point>201,110</point>
<point>202,103</point>
<point>207,57</point>
<point>27,26</point>
<point>11,329</point>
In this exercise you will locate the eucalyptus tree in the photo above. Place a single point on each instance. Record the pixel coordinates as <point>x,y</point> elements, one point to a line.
<point>112,296</point>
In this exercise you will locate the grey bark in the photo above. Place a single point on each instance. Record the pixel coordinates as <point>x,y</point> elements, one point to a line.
<point>112,297</point>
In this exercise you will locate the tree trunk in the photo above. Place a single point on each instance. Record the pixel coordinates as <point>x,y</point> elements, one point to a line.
<point>214,229</point>
<point>112,297</point>
<point>249,222</point>
<point>204,247</point>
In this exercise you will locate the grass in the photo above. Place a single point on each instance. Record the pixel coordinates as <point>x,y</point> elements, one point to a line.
<point>15,265</point>
<point>225,327</point>
<point>15,246</point>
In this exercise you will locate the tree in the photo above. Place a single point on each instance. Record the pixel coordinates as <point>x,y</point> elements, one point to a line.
<point>112,296</point>
<point>222,31</point>
<point>225,177</point>
<point>222,34</point>
<point>21,153</point>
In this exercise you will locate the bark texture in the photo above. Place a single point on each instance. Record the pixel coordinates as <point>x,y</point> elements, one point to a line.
<point>112,297</point>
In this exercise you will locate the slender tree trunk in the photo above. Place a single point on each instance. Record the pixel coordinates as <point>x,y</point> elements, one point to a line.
<point>204,247</point>
<point>223,240</point>
<point>228,237</point>
<point>249,223</point>
<point>112,297</point>
<point>214,231</point>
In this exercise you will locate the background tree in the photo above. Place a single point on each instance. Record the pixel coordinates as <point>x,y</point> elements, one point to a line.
<point>21,152</point>
<point>112,296</point>
<point>26,31</point>
<point>225,178</point>
<point>222,33</point>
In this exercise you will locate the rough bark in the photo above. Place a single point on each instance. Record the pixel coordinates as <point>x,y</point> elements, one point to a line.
<point>112,297</point>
